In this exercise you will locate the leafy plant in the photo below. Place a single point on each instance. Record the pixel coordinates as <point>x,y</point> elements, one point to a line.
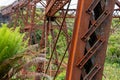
<point>111,71</point>
<point>11,43</point>
<point>113,52</point>
<point>61,76</point>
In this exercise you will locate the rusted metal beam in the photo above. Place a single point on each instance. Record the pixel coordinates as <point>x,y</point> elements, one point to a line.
<point>54,5</point>
<point>7,10</point>
<point>77,45</point>
<point>100,58</point>
<point>89,41</point>
<point>90,34</point>
<point>117,3</point>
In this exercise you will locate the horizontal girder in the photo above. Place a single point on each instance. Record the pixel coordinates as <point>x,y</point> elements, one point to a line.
<point>54,6</point>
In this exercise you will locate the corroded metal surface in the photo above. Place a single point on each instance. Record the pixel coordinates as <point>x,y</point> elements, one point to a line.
<point>86,47</point>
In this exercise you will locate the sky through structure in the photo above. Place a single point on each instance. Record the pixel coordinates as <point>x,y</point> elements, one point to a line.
<point>8,2</point>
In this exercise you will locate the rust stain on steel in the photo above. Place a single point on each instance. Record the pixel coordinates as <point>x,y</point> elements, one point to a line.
<point>87,31</point>
<point>54,5</point>
<point>77,45</point>
<point>90,35</point>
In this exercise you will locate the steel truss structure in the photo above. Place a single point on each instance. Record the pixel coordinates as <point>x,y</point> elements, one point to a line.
<point>86,48</point>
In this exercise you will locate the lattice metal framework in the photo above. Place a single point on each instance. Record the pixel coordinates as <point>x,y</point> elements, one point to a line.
<point>87,46</point>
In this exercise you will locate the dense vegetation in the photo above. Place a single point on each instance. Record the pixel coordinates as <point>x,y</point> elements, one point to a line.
<point>113,53</point>
<point>11,43</point>
<point>14,56</point>
<point>112,65</point>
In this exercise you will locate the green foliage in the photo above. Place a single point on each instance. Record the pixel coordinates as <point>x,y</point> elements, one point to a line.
<point>11,42</point>
<point>112,65</point>
<point>61,76</point>
<point>38,35</point>
<point>111,71</point>
<point>113,52</point>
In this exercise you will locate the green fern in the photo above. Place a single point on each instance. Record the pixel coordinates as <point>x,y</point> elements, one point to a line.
<point>11,42</point>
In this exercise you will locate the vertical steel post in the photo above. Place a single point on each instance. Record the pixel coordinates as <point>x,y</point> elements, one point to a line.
<point>89,41</point>
<point>77,45</point>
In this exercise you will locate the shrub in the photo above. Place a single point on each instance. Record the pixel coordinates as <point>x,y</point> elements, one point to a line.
<point>111,71</point>
<point>61,76</point>
<point>11,42</point>
<point>113,52</point>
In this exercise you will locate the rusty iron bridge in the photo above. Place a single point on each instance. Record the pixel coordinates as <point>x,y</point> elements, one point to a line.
<point>89,22</point>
